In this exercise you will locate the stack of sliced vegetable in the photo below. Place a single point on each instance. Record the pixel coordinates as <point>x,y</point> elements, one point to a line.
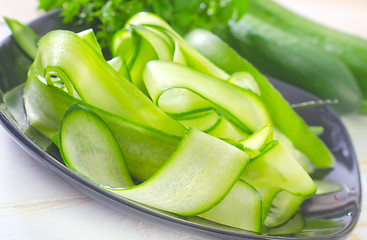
<point>162,125</point>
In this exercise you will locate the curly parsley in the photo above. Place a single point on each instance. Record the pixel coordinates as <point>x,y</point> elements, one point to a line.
<point>182,15</point>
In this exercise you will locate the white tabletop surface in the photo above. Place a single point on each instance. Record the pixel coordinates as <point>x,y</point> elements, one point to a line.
<point>36,204</point>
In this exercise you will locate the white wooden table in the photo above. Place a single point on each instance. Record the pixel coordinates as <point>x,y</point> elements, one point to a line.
<point>36,204</point>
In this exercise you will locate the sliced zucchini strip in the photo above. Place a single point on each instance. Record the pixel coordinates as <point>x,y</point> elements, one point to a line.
<point>242,107</point>
<point>241,208</point>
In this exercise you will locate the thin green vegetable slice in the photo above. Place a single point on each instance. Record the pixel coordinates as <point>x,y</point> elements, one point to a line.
<point>291,227</point>
<point>144,53</point>
<point>245,80</point>
<point>327,187</point>
<point>241,107</point>
<point>180,102</point>
<point>202,121</point>
<point>24,36</point>
<point>88,146</point>
<point>120,66</point>
<point>241,208</point>
<point>283,206</point>
<point>125,46</point>
<point>225,129</point>
<point>160,45</point>
<point>89,36</point>
<point>258,140</point>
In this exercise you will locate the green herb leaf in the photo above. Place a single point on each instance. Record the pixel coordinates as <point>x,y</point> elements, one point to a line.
<point>182,15</point>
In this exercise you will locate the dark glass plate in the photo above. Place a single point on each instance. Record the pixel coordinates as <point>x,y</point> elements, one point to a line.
<point>342,207</point>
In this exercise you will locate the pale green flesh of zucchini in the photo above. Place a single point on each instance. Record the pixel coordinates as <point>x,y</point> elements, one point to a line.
<point>120,66</point>
<point>161,47</point>
<point>88,146</point>
<point>241,106</point>
<point>178,56</point>
<point>258,140</point>
<point>241,208</point>
<point>180,101</point>
<point>292,226</point>
<point>162,35</point>
<point>326,187</point>
<point>283,206</point>
<point>201,121</point>
<point>246,81</point>
<point>296,154</point>
<point>89,36</point>
<point>123,45</point>
<point>144,53</point>
<point>225,129</point>
<point>211,167</point>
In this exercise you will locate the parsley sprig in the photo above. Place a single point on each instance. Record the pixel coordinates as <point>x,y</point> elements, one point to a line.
<point>182,15</point>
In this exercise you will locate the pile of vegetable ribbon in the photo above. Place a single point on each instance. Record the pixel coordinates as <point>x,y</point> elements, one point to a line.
<point>197,139</point>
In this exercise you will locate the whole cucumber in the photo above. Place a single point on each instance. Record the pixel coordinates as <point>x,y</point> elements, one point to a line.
<point>285,56</point>
<point>350,49</point>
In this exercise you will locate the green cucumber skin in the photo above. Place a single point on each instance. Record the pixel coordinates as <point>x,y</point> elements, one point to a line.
<point>85,142</point>
<point>288,58</point>
<point>349,49</point>
<point>282,115</point>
